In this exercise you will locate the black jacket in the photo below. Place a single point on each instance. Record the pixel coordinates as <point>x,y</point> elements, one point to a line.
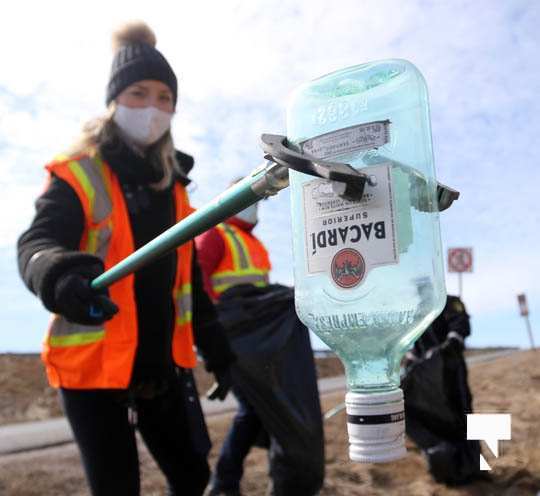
<point>452,325</point>
<point>55,234</point>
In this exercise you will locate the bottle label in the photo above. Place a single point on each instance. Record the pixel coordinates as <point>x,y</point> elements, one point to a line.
<point>347,239</point>
<point>351,139</point>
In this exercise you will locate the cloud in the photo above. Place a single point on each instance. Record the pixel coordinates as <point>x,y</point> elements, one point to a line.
<point>237,64</point>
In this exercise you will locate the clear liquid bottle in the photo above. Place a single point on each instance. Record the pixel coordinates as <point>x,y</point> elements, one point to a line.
<point>369,275</point>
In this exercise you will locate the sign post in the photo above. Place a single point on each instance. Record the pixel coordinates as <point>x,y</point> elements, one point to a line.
<point>524,312</point>
<point>460,260</point>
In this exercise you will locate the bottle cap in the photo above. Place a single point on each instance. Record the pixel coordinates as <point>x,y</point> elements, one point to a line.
<point>376,426</point>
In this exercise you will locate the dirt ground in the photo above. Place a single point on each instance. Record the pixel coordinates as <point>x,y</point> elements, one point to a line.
<point>25,394</point>
<point>508,385</point>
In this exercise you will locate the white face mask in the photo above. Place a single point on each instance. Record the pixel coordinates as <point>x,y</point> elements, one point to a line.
<point>249,214</point>
<point>144,126</point>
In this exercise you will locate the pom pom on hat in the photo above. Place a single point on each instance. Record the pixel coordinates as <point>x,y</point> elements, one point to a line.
<point>132,32</point>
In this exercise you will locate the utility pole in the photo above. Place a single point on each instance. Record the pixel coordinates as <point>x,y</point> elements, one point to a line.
<point>524,311</point>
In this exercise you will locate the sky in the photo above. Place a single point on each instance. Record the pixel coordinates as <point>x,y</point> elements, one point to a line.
<point>237,62</point>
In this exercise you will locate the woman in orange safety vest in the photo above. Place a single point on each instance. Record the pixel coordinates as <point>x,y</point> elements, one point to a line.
<point>122,357</point>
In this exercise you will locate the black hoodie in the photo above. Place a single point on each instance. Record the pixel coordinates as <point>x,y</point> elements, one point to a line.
<point>56,232</point>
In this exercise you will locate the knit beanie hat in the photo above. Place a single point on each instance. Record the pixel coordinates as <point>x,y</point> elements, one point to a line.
<point>136,59</point>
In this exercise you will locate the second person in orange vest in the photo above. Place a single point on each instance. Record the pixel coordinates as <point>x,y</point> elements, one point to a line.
<point>230,255</point>
<point>122,358</point>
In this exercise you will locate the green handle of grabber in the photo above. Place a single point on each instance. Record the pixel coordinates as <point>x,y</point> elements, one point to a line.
<point>230,202</point>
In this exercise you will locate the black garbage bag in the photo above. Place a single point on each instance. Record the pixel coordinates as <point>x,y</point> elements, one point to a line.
<point>437,399</point>
<point>275,371</point>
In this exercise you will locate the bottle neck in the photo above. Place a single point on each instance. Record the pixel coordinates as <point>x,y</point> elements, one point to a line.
<point>375,374</point>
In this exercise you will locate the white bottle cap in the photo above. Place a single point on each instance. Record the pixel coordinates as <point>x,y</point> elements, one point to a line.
<point>376,426</point>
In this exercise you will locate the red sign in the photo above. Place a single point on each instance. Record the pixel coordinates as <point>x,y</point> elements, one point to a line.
<point>460,260</point>
<point>523,307</point>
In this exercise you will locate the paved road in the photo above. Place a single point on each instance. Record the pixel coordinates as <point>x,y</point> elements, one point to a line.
<point>26,436</point>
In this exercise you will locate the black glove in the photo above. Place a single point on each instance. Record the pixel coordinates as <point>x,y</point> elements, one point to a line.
<point>78,302</point>
<point>221,387</point>
<point>453,344</point>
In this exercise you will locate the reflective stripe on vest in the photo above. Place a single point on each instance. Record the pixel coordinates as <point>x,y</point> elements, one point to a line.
<point>91,175</point>
<point>86,357</point>
<point>184,304</point>
<point>93,178</point>
<point>243,270</point>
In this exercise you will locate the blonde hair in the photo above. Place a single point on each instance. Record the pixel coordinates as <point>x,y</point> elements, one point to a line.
<point>102,132</point>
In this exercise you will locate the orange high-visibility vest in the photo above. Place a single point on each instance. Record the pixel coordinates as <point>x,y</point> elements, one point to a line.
<point>245,260</point>
<point>94,357</point>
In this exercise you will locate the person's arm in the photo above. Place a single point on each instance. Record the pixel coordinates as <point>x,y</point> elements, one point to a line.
<point>51,242</point>
<point>210,251</point>
<point>457,318</point>
<point>209,334</point>
<point>49,259</point>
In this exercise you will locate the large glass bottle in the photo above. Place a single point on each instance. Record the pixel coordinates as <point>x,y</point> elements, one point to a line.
<point>369,275</point>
